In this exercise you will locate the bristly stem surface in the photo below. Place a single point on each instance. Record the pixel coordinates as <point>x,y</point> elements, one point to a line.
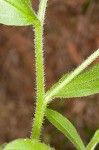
<point>40,83</point>
<point>40,103</point>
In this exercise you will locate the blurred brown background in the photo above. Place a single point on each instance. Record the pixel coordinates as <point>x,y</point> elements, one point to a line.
<point>71,34</point>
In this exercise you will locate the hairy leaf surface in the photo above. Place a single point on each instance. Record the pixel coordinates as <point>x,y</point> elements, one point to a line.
<point>26,144</point>
<point>65,126</point>
<point>17,12</point>
<point>86,83</point>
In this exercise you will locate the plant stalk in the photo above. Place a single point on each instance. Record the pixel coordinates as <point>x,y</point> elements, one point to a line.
<point>40,104</point>
<point>42,9</point>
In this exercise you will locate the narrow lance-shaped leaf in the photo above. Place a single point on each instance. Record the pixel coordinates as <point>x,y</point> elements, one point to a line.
<point>65,126</point>
<point>17,12</point>
<point>95,140</point>
<point>26,144</point>
<point>86,83</point>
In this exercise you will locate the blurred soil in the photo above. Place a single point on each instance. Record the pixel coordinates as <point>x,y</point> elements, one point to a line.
<point>70,35</point>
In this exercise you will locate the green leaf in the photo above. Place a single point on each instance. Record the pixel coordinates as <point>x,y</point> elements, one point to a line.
<point>26,144</point>
<point>86,83</point>
<point>94,141</point>
<point>17,12</point>
<point>65,126</point>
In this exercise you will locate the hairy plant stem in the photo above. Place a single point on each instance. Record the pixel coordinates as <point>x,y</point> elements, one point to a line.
<point>40,104</point>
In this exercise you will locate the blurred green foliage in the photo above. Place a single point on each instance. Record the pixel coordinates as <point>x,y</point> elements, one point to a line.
<point>87,4</point>
<point>0,148</point>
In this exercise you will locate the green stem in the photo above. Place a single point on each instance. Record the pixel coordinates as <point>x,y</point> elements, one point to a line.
<point>42,9</point>
<point>40,105</point>
<point>77,71</point>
